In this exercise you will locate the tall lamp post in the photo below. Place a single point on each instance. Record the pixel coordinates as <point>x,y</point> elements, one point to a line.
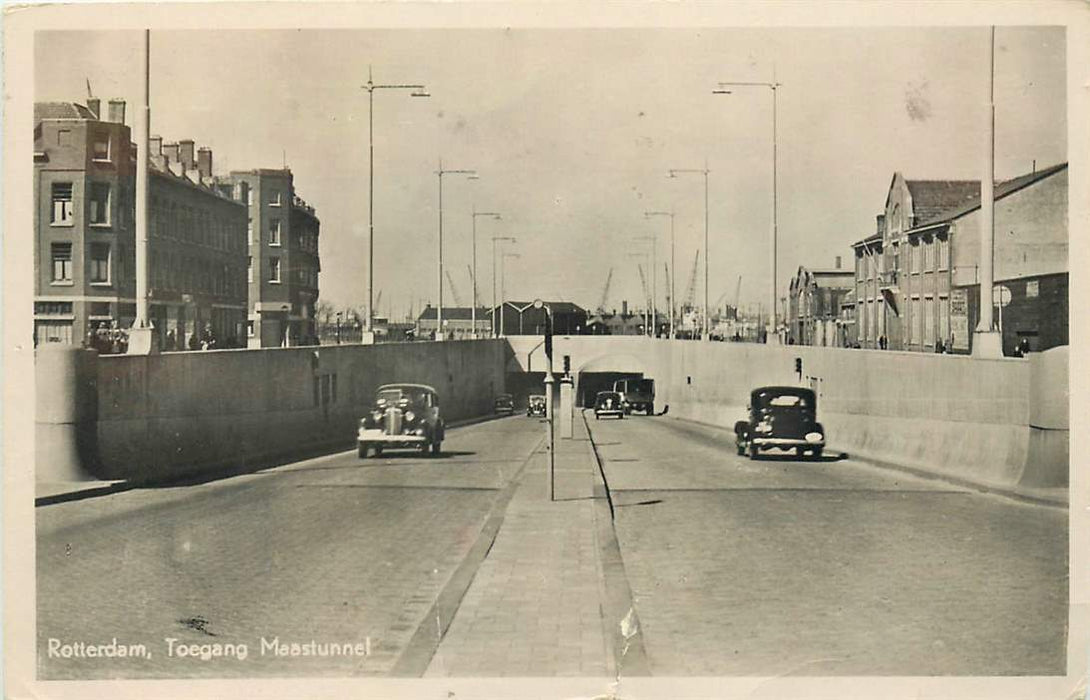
<point>503,284</point>
<point>439,311</point>
<point>473,313</point>
<point>674,172</point>
<point>141,336</point>
<point>496,328</point>
<point>771,332</point>
<point>370,87</point>
<point>648,215</point>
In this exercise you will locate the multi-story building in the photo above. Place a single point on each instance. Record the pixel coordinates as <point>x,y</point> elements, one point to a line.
<point>84,222</point>
<point>916,280</point>
<point>813,305</point>
<point>282,233</point>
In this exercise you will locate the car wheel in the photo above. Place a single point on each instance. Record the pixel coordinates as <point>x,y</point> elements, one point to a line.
<point>752,451</point>
<point>800,451</point>
<point>741,448</point>
<point>361,450</point>
<point>596,416</point>
<point>435,448</point>
<point>378,450</point>
<point>817,452</point>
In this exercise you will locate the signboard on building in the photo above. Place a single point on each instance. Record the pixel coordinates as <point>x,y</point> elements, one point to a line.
<point>959,319</point>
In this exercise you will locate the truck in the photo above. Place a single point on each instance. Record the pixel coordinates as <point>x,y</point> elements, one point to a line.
<point>638,394</point>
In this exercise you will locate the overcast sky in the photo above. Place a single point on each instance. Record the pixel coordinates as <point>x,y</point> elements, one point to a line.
<point>573,131</point>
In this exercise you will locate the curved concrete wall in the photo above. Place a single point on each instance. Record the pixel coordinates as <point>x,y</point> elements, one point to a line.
<point>994,422</point>
<point>176,414</point>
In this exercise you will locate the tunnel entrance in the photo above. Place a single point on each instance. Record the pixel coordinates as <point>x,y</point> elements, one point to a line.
<point>590,383</point>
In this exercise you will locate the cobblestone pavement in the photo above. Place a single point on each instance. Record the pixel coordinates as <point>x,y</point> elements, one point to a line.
<point>535,607</point>
<point>332,549</point>
<point>783,567</point>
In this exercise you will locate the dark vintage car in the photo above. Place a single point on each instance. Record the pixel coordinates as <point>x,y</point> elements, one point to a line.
<point>504,404</point>
<point>403,415</point>
<point>638,394</point>
<point>782,417</point>
<point>536,405</point>
<point>608,403</point>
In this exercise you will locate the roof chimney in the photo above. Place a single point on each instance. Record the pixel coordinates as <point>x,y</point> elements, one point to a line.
<point>170,150</point>
<point>185,154</point>
<point>204,161</point>
<point>117,111</point>
<point>94,104</point>
<point>880,224</point>
<point>624,308</point>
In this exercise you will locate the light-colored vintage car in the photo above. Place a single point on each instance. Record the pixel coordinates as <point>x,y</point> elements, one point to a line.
<point>403,416</point>
<point>535,406</point>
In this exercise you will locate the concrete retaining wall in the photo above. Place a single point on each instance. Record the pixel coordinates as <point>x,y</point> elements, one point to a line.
<point>178,414</point>
<point>956,416</point>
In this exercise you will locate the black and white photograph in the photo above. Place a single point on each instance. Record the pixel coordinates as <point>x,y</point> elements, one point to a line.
<point>458,350</point>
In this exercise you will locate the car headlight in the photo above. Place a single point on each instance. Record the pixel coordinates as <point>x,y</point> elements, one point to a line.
<point>410,416</point>
<point>763,427</point>
<point>814,436</point>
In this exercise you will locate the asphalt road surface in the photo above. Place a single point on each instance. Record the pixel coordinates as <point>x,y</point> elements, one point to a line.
<point>735,567</point>
<point>792,567</point>
<point>335,549</point>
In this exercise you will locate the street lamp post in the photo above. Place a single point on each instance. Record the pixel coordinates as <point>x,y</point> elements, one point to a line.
<point>473,312</point>
<point>503,287</point>
<point>648,215</point>
<point>370,87</point>
<point>496,328</point>
<point>439,311</point>
<point>674,173</point>
<point>771,331</point>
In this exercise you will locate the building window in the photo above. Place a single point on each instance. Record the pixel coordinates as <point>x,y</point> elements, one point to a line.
<point>100,203</point>
<point>64,137</point>
<point>943,253</point>
<point>929,321</point>
<point>62,263</point>
<point>925,256</point>
<point>274,270</point>
<point>250,268</point>
<point>101,147</point>
<point>913,257</point>
<point>274,232</point>
<point>62,203</point>
<point>274,198</point>
<point>250,329</point>
<point>100,263</point>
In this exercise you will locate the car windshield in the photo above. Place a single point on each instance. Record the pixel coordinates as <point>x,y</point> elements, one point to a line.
<point>643,386</point>
<point>395,396</point>
<point>783,401</point>
<point>503,398</point>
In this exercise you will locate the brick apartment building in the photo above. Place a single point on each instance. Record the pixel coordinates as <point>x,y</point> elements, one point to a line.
<point>283,262</point>
<point>84,224</point>
<point>916,277</point>
<point>814,305</point>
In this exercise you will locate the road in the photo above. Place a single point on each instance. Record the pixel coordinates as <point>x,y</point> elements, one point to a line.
<point>733,567</point>
<point>780,567</point>
<point>332,549</point>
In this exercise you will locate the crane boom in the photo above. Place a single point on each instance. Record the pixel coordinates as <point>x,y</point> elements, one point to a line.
<point>476,289</point>
<point>643,283</point>
<point>690,292</point>
<point>453,289</point>
<point>605,292</point>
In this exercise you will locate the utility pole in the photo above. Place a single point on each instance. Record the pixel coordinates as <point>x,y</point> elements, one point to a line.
<point>439,277</point>
<point>987,341</point>
<point>370,87</point>
<point>773,86</point>
<point>142,340</point>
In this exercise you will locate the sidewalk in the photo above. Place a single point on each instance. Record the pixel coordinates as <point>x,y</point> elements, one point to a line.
<point>538,605</point>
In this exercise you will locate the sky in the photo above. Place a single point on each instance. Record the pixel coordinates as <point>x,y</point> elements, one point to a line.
<point>573,131</point>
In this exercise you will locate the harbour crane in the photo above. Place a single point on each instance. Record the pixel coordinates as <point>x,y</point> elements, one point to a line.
<point>453,289</point>
<point>605,293</point>
<point>690,293</point>
<point>646,300</point>
<point>476,289</point>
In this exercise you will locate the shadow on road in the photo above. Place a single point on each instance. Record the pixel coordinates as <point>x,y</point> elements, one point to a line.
<point>823,459</point>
